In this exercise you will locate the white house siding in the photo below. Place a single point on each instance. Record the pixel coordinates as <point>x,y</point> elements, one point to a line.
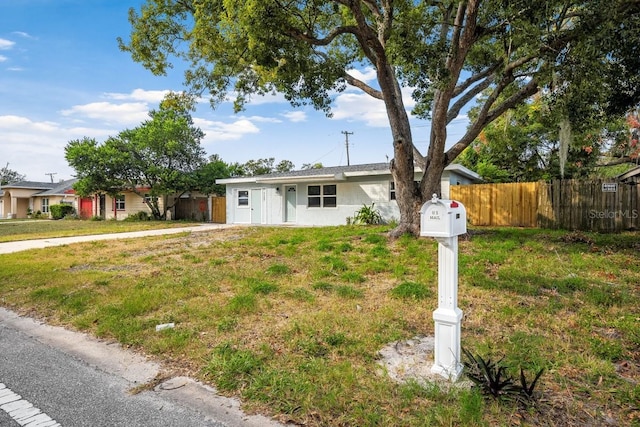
<point>350,198</point>
<point>356,186</point>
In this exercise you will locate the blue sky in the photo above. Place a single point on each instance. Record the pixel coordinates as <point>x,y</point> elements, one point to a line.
<point>62,77</point>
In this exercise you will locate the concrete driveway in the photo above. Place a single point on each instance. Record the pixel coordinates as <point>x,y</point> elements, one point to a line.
<point>23,245</point>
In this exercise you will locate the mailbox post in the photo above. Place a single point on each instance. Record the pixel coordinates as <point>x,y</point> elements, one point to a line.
<point>446,220</point>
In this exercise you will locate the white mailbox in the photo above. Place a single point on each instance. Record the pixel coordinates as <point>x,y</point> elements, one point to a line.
<point>442,218</point>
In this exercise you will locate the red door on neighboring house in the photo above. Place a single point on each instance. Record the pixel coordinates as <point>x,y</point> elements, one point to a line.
<point>86,208</point>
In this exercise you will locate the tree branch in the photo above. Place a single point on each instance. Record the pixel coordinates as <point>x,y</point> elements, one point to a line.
<point>618,161</point>
<point>466,98</point>
<point>488,115</point>
<point>362,86</point>
<point>475,78</point>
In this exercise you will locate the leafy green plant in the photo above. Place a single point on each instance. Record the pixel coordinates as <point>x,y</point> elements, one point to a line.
<point>139,216</point>
<point>368,215</point>
<point>61,211</point>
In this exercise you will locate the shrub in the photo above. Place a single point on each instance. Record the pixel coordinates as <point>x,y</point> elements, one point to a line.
<point>367,215</point>
<point>61,211</point>
<point>139,216</point>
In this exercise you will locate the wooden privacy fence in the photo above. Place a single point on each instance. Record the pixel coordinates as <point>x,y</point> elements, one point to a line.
<point>594,205</point>
<point>219,210</point>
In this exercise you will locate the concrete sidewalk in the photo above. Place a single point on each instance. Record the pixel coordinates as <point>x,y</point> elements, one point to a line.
<point>23,245</point>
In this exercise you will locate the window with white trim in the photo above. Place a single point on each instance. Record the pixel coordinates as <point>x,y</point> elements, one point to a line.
<point>45,205</point>
<point>120,204</point>
<point>322,196</point>
<point>243,198</point>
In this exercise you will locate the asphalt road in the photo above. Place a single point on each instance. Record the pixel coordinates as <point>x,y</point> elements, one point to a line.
<point>79,381</point>
<point>70,379</point>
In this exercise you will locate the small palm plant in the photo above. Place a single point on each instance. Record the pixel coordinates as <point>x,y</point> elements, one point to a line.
<point>367,215</point>
<point>493,380</point>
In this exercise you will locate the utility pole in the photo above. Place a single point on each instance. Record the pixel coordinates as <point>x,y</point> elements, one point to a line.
<point>51,175</point>
<point>346,143</point>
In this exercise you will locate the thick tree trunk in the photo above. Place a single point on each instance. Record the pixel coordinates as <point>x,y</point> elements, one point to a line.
<point>402,166</point>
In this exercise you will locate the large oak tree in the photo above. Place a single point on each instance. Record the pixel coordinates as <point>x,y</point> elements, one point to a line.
<point>447,51</point>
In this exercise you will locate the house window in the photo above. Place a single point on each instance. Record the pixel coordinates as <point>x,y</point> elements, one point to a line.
<point>45,205</point>
<point>322,196</point>
<point>120,205</point>
<point>243,198</point>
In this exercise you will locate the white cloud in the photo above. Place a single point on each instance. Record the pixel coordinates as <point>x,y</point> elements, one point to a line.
<point>25,35</point>
<point>6,44</point>
<point>126,113</point>
<point>295,116</point>
<point>15,69</point>
<point>366,75</point>
<point>261,119</point>
<point>270,98</point>
<point>220,131</point>
<point>358,106</point>
<point>150,96</point>
<point>36,147</point>
<point>3,58</point>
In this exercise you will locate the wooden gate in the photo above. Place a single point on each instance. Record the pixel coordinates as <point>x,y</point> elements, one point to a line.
<point>219,210</point>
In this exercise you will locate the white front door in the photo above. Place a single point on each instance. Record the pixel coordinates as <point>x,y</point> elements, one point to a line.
<point>256,206</point>
<point>290,204</point>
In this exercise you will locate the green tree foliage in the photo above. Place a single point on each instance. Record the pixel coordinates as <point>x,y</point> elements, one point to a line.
<point>160,157</point>
<point>8,176</point>
<point>263,167</point>
<point>308,166</point>
<point>523,145</point>
<point>214,169</point>
<point>448,52</point>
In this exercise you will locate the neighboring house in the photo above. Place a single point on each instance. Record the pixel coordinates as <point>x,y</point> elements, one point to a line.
<point>21,197</point>
<point>631,176</point>
<point>17,199</point>
<point>325,196</point>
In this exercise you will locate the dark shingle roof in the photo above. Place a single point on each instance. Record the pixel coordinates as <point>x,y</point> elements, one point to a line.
<point>31,185</point>
<point>48,188</point>
<point>61,188</point>
<point>332,170</point>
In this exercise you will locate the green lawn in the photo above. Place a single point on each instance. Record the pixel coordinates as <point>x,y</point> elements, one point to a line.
<point>14,230</point>
<point>292,319</point>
